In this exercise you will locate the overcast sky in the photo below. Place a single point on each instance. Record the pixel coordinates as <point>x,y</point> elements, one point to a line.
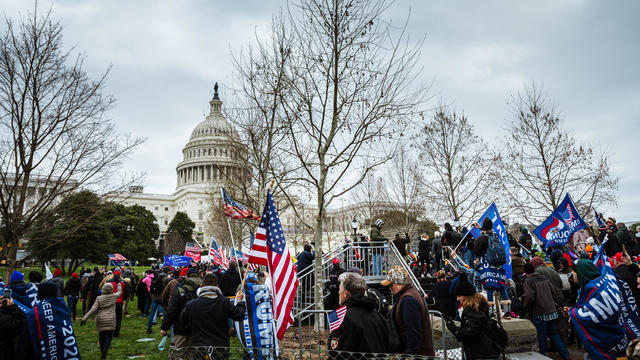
<point>166,56</point>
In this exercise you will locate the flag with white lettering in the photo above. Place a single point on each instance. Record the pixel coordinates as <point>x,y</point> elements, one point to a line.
<point>500,231</point>
<point>25,296</point>
<point>51,330</point>
<point>557,229</point>
<point>258,332</point>
<point>176,260</point>
<point>605,316</point>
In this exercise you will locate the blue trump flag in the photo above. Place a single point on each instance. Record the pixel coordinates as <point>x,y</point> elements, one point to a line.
<point>51,330</point>
<point>177,260</point>
<point>606,315</point>
<point>557,229</point>
<point>498,228</point>
<point>24,295</point>
<point>257,331</point>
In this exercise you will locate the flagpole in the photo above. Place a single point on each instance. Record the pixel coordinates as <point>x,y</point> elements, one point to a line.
<point>231,234</point>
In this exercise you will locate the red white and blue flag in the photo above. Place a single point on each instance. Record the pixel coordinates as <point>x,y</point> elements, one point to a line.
<point>605,315</point>
<point>602,225</point>
<point>236,210</point>
<point>563,222</point>
<point>336,317</point>
<point>270,249</point>
<point>216,255</point>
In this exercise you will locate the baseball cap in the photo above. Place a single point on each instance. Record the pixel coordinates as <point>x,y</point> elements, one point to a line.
<point>397,275</point>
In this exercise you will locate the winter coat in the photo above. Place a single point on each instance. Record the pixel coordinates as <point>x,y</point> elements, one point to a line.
<point>375,234</point>
<point>481,245</point>
<point>305,259</point>
<point>424,249</point>
<point>436,247</point>
<point>539,295</point>
<point>362,330</point>
<point>168,290</point>
<point>629,274</point>
<point>183,291</point>
<point>553,276</point>
<point>401,244</point>
<point>125,289</point>
<point>59,283</point>
<point>445,302</point>
<point>229,282</point>
<point>72,287</point>
<point>205,317</point>
<point>612,246</point>
<point>473,334</point>
<point>105,307</point>
<point>414,331</point>
<point>11,323</point>
<point>526,241</point>
<point>517,264</point>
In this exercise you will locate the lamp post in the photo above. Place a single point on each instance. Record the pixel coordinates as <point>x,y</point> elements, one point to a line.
<point>355,225</point>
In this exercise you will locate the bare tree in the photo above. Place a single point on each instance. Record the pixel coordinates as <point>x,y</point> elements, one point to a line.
<point>405,185</point>
<point>541,162</point>
<point>55,138</point>
<point>454,164</point>
<point>372,193</point>
<point>352,91</point>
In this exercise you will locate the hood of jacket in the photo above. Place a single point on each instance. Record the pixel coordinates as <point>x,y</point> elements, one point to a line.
<point>107,288</point>
<point>210,292</point>
<point>362,301</point>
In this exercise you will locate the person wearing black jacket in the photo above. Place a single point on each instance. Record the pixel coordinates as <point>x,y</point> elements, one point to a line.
<point>92,287</point>
<point>205,317</point>
<point>11,323</point>
<point>183,292</point>
<point>473,330</point>
<point>332,287</point>
<point>424,254</point>
<point>230,280</point>
<point>72,290</point>
<point>305,260</point>
<point>363,329</point>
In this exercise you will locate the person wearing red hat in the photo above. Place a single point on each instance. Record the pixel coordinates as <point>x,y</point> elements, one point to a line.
<point>115,280</point>
<point>72,290</point>
<point>627,271</point>
<point>332,287</point>
<point>58,282</point>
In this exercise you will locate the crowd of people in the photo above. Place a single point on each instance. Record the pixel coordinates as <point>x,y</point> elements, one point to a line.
<point>542,287</point>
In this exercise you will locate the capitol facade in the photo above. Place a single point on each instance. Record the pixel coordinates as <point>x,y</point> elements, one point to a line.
<point>210,159</point>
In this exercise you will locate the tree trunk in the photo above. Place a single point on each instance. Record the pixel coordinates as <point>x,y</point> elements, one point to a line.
<point>319,321</point>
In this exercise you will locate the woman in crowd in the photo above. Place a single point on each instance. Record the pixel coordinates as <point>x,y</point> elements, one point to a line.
<point>105,306</point>
<point>472,332</point>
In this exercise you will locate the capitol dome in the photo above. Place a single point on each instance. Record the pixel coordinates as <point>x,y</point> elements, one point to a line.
<point>214,152</point>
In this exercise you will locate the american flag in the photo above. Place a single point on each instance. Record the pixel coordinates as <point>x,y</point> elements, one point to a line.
<point>193,247</point>
<point>270,249</point>
<point>336,317</point>
<point>234,209</point>
<point>217,255</point>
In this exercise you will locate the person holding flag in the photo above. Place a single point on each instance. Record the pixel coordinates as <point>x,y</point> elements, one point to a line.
<point>11,323</point>
<point>492,274</point>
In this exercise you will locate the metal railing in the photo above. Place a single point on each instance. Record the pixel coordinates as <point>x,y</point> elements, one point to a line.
<point>397,259</point>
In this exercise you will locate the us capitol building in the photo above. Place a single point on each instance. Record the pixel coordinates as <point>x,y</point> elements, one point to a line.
<point>209,160</point>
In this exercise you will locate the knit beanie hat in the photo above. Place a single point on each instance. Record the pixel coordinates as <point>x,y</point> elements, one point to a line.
<point>586,272</point>
<point>536,261</point>
<point>183,272</point>
<point>192,271</point>
<point>464,287</point>
<point>16,276</point>
<point>487,224</point>
<point>379,222</point>
<point>57,272</point>
<point>74,275</point>
<point>524,230</point>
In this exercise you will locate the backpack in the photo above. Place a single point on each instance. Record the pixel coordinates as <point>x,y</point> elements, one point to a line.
<point>628,238</point>
<point>498,334</point>
<point>496,255</point>
<point>186,291</point>
<point>156,285</point>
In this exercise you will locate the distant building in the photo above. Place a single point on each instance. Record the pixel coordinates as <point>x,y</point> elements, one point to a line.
<point>209,160</point>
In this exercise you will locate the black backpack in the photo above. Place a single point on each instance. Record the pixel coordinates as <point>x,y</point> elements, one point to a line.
<point>629,238</point>
<point>157,285</point>
<point>496,255</point>
<point>498,334</point>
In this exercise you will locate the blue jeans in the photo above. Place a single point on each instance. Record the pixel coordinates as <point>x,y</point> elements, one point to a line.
<point>71,304</point>
<point>503,294</point>
<point>155,307</point>
<point>549,329</point>
<point>468,257</point>
<point>377,262</point>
